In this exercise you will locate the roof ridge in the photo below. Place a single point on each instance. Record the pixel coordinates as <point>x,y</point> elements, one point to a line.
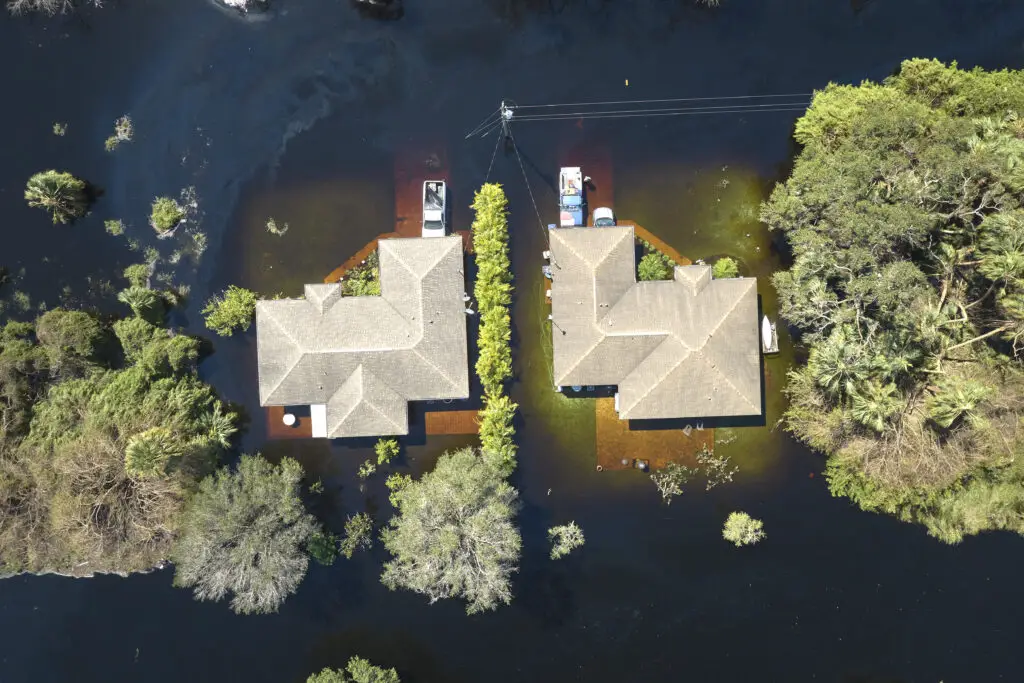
<point>297,346</point>
<point>664,375</point>
<point>735,303</point>
<point>731,385</point>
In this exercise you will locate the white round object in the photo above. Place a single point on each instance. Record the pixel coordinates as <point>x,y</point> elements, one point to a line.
<point>289,419</point>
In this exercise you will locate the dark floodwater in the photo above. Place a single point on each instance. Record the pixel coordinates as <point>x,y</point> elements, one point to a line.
<point>297,115</point>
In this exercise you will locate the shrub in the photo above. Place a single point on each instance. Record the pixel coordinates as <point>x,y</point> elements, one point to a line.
<point>138,274</point>
<point>497,433</point>
<point>322,546</point>
<point>356,671</point>
<point>363,280</point>
<point>670,480</point>
<point>386,450</point>
<point>358,534</point>
<point>144,302</point>
<point>725,267</point>
<point>655,266</point>
<point>114,227</point>
<point>148,453</point>
<point>62,194</point>
<point>565,539</point>
<point>231,311</point>
<point>454,534</point>
<point>742,529</point>
<point>124,131</point>
<point>165,214</point>
<point>243,533</point>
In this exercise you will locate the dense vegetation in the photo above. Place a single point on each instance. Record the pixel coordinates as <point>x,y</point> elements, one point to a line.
<point>493,292</point>
<point>454,535</point>
<point>60,193</point>
<point>564,539</point>
<point>358,670</point>
<point>104,430</point>
<point>904,214</point>
<point>231,311</point>
<point>654,265</point>
<point>244,534</point>
<point>725,267</point>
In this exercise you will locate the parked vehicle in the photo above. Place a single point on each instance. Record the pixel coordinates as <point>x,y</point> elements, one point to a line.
<point>572,203</point>
<point>603,217</point>
<point>435,205</point>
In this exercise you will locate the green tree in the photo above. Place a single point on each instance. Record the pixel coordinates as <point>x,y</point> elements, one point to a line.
<point>904,216</point>
<point>145,303</point>
<point>386,450</point>
<point>564,539</point>
<point>71,340</point>
<point>742,529</point>
<point>138,274</point>
<point>358,534</point>
<point>497,432</point>
<point>454,534</point>
<point>165,214</point>
<point>60,193</point>
<point>231,311</point>
<point>655,266</point>
<point>148,453</point>
<point>323,547</point>
<point>244,533</point>
<point>357,670</point>
<point>725,267</point>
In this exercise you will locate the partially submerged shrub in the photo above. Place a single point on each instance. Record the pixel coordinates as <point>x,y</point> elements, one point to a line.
<point>358,534</point>
<point>124,131</point>
<point>655,266</point>
<point>742,529</point>
<point>565,538</point>
<point>231,311</point>
<point>725,267</point>
<point>165,214</point>
<point>60,193</point>
<point>386,450</point>
<point>670,480</point>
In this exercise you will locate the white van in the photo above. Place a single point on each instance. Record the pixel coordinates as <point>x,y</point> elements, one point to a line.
<point>435,195</point>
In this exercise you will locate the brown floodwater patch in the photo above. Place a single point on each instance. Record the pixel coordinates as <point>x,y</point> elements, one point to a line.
<point>622,448</point>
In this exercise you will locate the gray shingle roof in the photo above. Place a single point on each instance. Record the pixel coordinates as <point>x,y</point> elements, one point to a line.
<point>366,357</point>
<point>686,347</point>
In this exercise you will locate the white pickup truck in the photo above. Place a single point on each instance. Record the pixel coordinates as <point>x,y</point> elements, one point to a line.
<point>435,204</point>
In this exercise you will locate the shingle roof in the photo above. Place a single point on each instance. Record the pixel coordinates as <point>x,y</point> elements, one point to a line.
<point>366,357</point>
<point>686,347</point>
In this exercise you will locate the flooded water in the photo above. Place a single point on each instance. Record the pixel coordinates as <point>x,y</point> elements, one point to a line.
<point>298,115</point>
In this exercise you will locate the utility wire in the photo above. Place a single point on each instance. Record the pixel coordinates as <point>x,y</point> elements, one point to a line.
<point>576,114</point>
<point>529,189</point>
<point>669,113</point>
<point>484,123</point>
<point>676,99</point>
<point>497,143</point>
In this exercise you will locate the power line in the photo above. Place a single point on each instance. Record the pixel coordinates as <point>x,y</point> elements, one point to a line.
<point>493,155</point>
<point>484,123</point>
<point>577,114</point>
<point>663,113</point>
<point>675,99</point>
<point>529,189</point>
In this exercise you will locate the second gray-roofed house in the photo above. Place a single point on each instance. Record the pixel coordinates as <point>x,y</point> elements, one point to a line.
<point>359,360</point>
<point>680,348</point>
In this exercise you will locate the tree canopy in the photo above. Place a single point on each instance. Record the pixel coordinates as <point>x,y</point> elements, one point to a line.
<point>244,533</point>
<point>904,215</point>
<point>96,457</point>
<point>358,670</point>
<point>454,534</point>
<point>231,311</point>
<point>60,193</point>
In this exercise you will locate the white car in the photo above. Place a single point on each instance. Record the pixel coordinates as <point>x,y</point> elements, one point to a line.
<point>435,196</point>
<point>603,217</point>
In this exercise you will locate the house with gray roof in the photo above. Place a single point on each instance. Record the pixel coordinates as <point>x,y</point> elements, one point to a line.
<point>358,361</point>
<point>680,348</point>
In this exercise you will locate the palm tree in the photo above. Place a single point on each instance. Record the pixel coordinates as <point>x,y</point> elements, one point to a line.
<point>145,303</point>
<point>148,452</point>
<point>838,364</point>
<point>874,403</point>
<point>62,194</point>
<point>220,426</point>
<point>956,400</point>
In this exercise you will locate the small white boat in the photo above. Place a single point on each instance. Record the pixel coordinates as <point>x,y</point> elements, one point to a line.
<point>769,336</point>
